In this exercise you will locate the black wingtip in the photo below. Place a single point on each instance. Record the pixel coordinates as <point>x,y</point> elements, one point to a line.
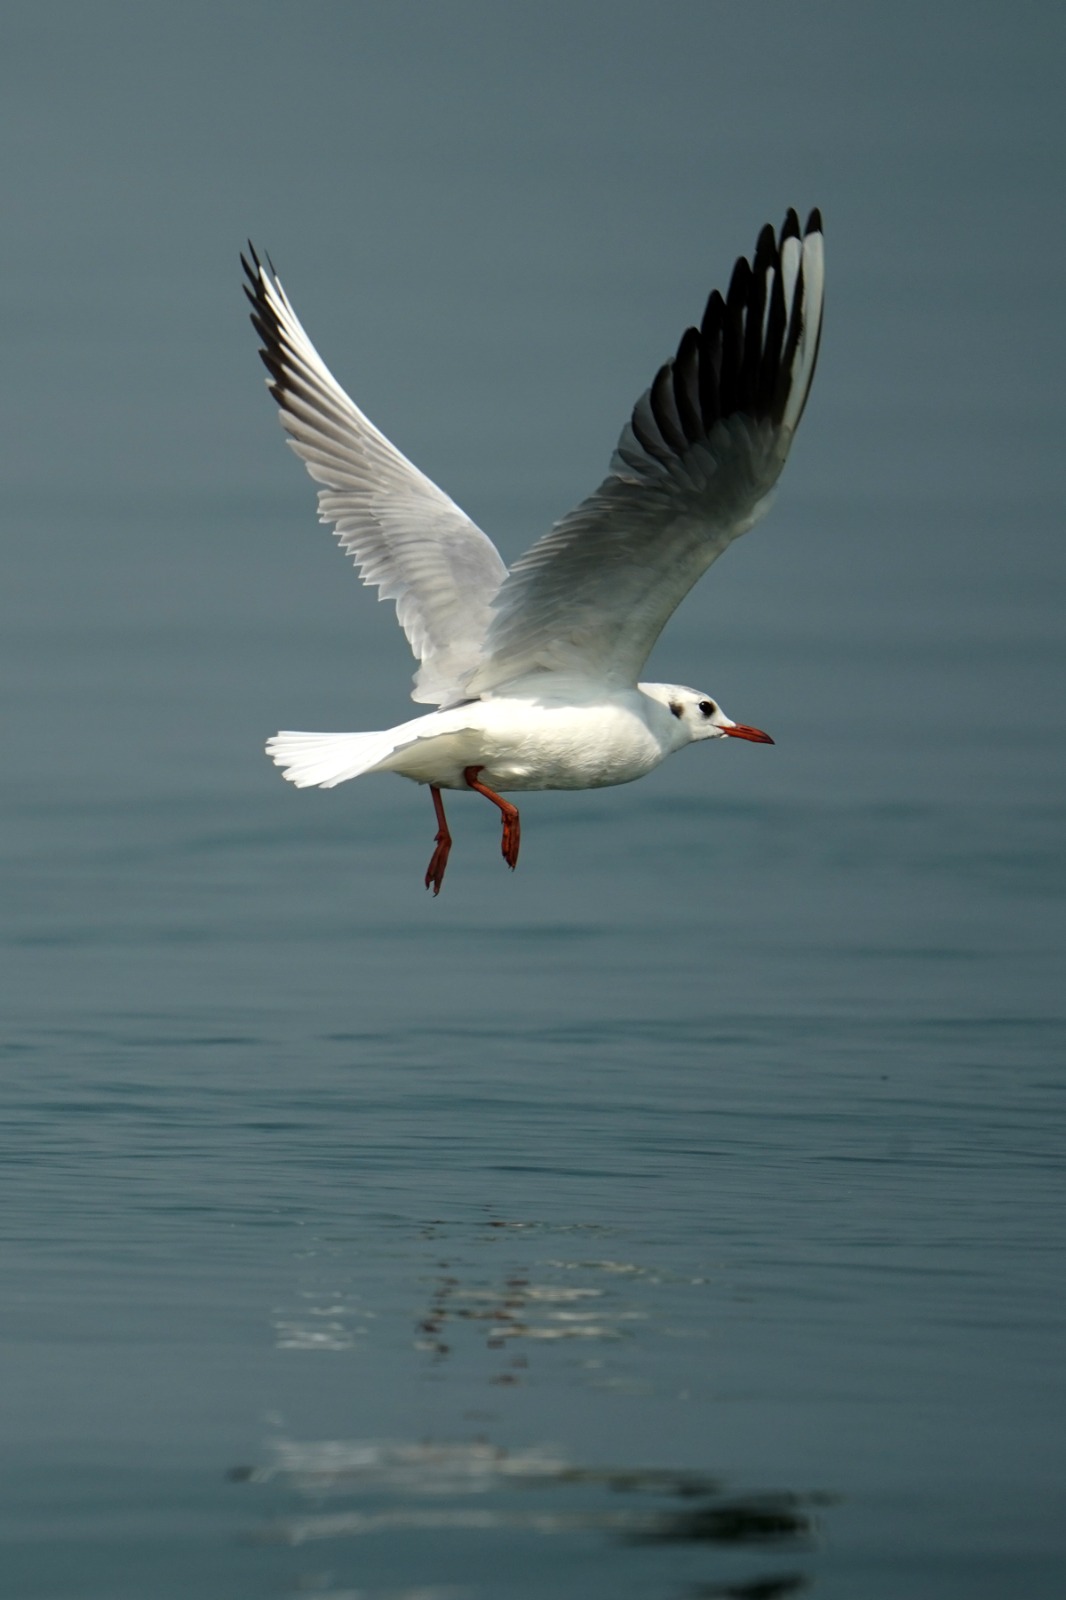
<point>264,320</point>
<point>739,282</point>
<point>742,357</point>
<point>766,244</point>
<point>257,266</point>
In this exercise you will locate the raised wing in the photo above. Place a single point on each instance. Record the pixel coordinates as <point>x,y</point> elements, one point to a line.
<point>405,535</point>
<point>692,471</point>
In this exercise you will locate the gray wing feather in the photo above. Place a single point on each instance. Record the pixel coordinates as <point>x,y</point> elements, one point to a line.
<point>693,470</point>
<point>404,534</point>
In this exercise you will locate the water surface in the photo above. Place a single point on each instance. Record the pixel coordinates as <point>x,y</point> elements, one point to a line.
<point>681,1215</point>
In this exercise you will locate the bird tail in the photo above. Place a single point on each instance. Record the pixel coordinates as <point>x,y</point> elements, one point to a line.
<point>327,759</point>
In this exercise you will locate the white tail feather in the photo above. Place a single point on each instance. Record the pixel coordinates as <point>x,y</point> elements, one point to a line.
<point>327,759</point>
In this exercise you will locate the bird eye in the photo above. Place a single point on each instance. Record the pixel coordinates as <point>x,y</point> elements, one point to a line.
<point>708,708</point>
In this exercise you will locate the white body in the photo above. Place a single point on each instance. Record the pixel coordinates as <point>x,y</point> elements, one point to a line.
<point>573,738</point>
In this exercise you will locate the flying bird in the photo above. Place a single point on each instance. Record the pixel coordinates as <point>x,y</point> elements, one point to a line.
<point>534,671</point>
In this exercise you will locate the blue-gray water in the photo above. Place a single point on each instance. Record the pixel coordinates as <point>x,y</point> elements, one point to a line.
<point>681,1216</point>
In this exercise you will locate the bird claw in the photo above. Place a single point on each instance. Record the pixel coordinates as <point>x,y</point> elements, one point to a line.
<point>437,862</point>
<point>443,841</point>
<point>512,828</point>
<point>512,838</point>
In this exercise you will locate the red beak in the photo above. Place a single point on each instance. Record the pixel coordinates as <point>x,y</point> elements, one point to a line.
<point>756,735</point>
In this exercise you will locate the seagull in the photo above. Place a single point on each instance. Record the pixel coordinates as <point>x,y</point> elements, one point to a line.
<point>534,671</point>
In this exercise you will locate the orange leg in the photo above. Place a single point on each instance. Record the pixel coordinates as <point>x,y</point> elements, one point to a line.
<point>439,859</point>
<point>512,830</point>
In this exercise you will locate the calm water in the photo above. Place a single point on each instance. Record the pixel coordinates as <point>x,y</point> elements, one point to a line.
<point>683,1215</point>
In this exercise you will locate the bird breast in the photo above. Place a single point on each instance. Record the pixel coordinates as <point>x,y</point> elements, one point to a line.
<point>536,744</point>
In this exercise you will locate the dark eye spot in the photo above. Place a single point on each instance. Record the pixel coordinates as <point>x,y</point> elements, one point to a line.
<point>676,709</point>
<point>708,708</point>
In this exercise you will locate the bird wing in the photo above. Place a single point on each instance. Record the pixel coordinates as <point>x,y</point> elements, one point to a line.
<point>405,535</point>
<point>692,471</point>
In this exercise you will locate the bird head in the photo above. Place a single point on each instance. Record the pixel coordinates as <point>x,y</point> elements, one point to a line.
<point>699,716</point>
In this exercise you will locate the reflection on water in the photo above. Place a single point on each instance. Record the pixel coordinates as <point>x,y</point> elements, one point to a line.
<point>504,1303</point>
<point>365,1487</point>
<point>758,1589</point>
<point>520,1309</point>
<point>535,1299</point>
